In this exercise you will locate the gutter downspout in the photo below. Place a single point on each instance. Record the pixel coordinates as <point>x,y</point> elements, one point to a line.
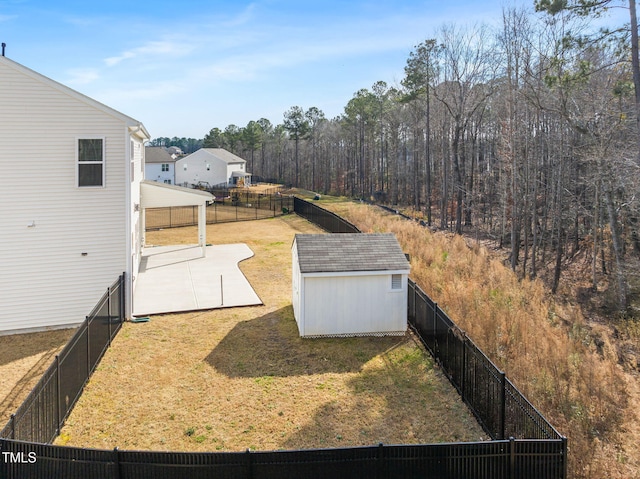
<point>128,280</point>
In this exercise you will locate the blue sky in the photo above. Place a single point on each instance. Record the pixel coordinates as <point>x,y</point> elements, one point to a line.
<point>184,67</point>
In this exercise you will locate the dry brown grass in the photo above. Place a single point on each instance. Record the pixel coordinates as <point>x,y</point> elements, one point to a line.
<point>23,360</point>
<point>544,346</point>
<point>242,378</point>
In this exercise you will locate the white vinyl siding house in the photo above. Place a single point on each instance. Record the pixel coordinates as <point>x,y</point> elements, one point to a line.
<point>210,167</point>
<point>349,285</point>
<point>159,165</point>
<point>69,196</point>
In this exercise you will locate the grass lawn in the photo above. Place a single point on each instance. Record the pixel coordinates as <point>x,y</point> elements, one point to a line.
<point>231,379</point>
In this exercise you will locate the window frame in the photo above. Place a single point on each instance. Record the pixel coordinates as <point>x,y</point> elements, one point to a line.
<point>102,162</point>
<point>396,276</point>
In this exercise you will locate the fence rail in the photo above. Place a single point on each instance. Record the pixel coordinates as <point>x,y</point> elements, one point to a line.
<point>43,412</point>
<point>243,206</point>
<point>326,220</point>
<point>509,459</point>
<point>499,406</point>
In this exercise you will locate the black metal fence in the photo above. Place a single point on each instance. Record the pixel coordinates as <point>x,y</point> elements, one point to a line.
<point>499,406</point>
<point>43,412</point>
<point>242,206</point>
<point>511,459</point>
<point>326,220</point>
<point>534,449</point>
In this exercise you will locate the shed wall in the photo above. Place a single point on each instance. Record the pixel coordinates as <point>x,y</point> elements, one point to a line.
<point>353,305</point>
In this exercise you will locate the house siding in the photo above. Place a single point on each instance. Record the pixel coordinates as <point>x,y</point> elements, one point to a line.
<point>46,280</point>
<point>153,172</point>
<point>196,171</point>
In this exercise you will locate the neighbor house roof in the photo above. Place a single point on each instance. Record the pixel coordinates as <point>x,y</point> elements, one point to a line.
<point>224,155</point>
<point>157,154</point>
<point>343,252</point>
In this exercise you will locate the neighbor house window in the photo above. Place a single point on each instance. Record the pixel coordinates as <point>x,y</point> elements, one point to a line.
<point>165,166</point>
<point>396,281</point>
<point>167,182</point>
<point>91,162</point>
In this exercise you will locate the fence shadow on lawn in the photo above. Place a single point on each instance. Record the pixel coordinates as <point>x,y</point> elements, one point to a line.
<point>15,347</point>
<point>270,346</point>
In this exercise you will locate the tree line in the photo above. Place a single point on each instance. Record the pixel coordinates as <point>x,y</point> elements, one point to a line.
<point>526,133</point>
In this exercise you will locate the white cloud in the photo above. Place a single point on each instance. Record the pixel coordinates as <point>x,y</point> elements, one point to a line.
<point>82,76</point>
<point>158,48</point>
<point>244,17</point>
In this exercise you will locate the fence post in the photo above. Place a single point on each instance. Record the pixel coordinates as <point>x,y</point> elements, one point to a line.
<point>503,405</point>
<point>109,311</point>
<point>463,379</point>
<point>512,458</point>
<point>436,348</point>
<point>13,426</point>
<point>123,298</point>
<point>565,459</point>
<point>116,462</point>
<point>88,321</point>
<point>380,469</point>
<point>249,464</point>
<point>57,394</point>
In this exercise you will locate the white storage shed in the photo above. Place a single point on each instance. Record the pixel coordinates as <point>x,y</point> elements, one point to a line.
<point>349,285</point>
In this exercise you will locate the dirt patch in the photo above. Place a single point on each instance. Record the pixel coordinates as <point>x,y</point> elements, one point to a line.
<point>232,379</point>
<point>23,360</point>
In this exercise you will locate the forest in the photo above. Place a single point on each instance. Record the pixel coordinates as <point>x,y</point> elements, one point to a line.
<point>525,135</point>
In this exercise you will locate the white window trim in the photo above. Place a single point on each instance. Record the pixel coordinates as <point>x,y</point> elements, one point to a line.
<point>402,282</point>
<point>103,162</point>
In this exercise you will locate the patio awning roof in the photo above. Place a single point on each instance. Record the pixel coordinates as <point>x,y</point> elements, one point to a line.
<point>239,174</point>
<point>160,195</point>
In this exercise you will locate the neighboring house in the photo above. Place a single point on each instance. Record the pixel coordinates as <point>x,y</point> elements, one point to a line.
<point>210,167</point>
<point>159,165</point>
<point>71,202</point>
<point>349,284</point>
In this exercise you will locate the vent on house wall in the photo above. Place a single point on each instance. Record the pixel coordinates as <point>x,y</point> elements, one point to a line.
<point>396,281</point>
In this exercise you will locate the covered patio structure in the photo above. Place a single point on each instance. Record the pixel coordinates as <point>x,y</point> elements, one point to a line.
<point>160,195</point>
<point>183,278</point>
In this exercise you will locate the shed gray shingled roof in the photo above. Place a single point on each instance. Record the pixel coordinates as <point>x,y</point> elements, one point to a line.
<point>334,253</point>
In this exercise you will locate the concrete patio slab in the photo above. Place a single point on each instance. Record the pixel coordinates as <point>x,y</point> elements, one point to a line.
<point>177,279</point>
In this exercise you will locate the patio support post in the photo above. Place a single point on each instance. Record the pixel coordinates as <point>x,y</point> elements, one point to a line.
<point>202,228</point>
